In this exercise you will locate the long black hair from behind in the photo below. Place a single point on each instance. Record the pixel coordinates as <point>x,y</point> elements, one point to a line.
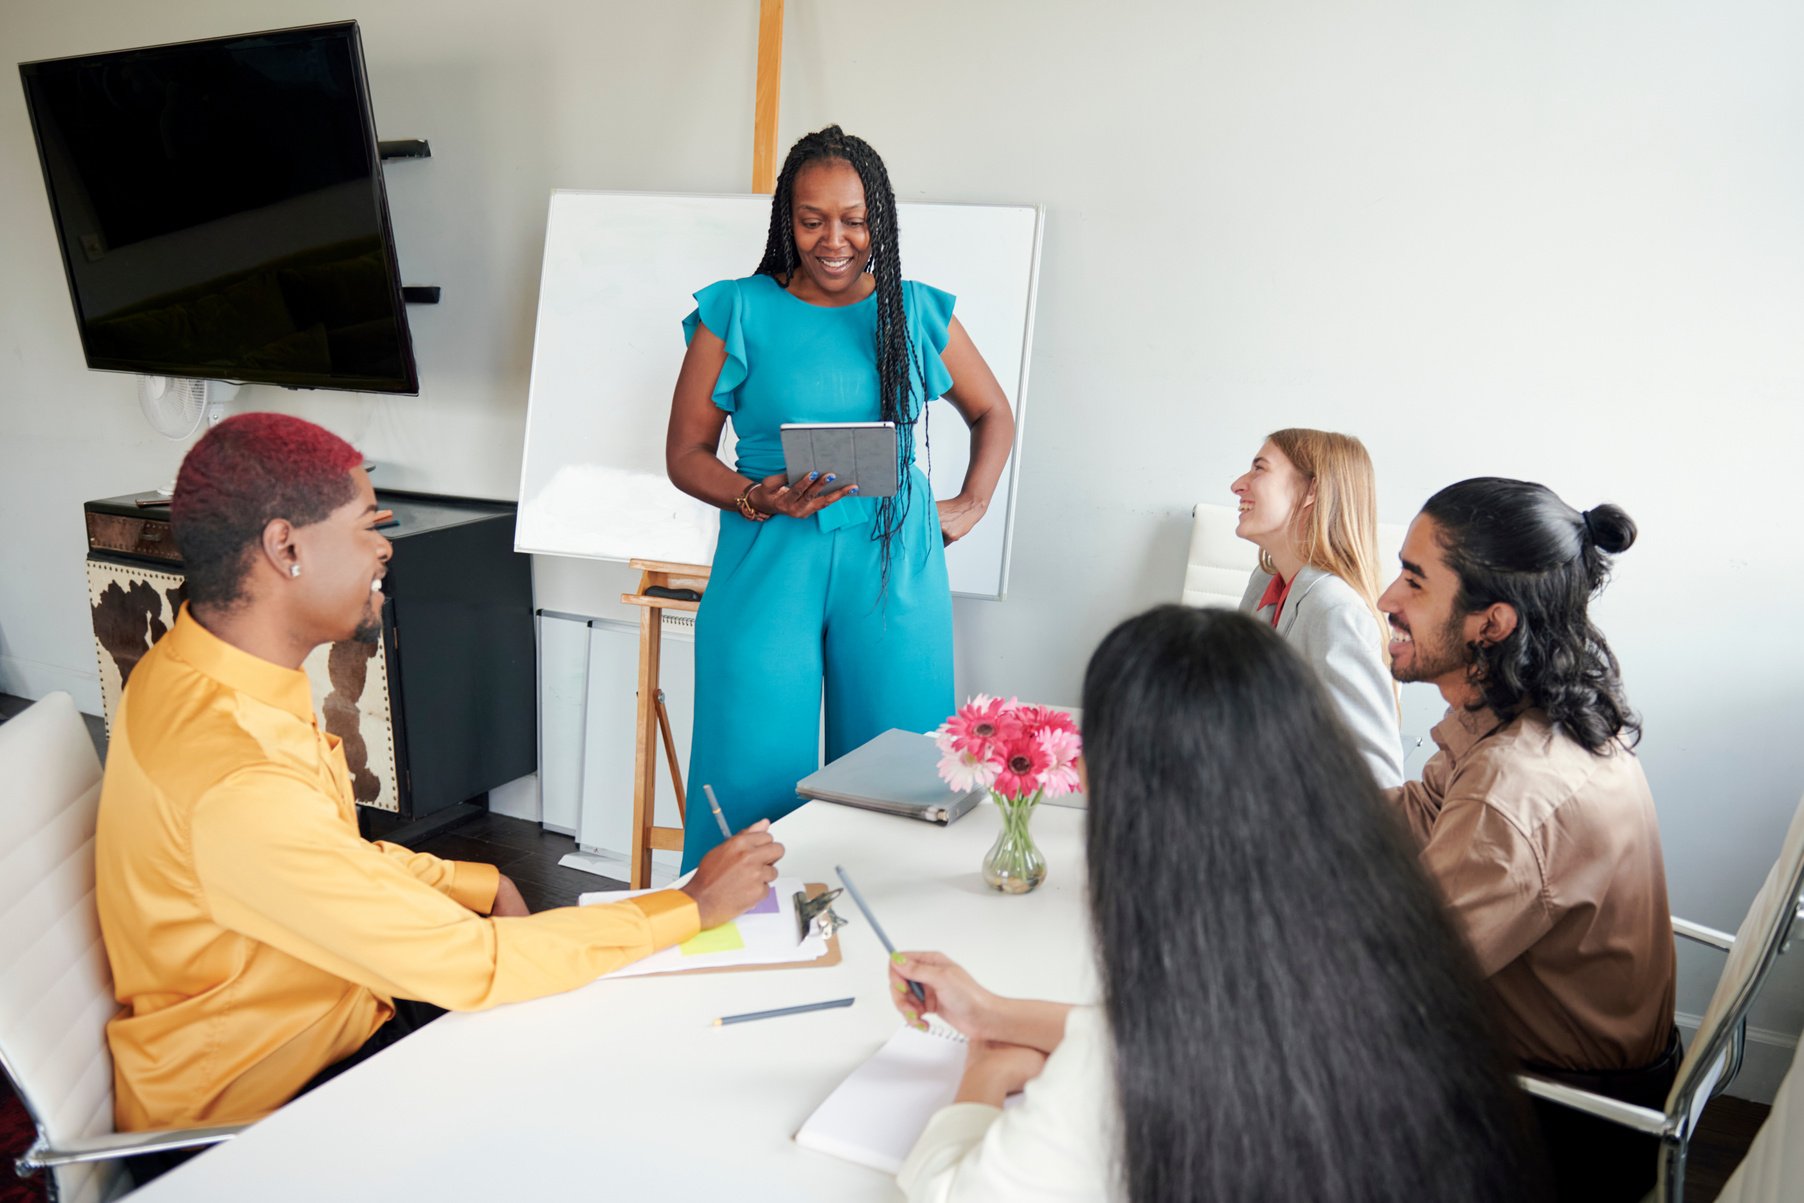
<point>1515,541</point>
<point>1293,1016</point>
<point>896,367</point>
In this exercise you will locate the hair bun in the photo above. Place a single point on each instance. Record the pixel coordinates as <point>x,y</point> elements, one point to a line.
<point>1612,530</point>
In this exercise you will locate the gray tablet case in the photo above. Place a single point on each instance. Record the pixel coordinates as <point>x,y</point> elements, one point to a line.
<point>856,453</point>
<point>896,773</point>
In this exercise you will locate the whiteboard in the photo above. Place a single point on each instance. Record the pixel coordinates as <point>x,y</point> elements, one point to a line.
<point>619,271</point>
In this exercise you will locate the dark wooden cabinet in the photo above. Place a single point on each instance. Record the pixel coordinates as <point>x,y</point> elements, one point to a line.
<point>441,709</point>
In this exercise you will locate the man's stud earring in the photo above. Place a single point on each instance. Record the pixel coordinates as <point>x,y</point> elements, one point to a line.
<point>294,570</point>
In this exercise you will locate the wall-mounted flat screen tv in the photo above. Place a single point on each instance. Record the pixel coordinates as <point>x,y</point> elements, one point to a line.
<point>221,210</point>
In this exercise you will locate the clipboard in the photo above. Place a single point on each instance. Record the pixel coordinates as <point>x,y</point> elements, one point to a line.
<point>830,958</point>
<point>811,890</point>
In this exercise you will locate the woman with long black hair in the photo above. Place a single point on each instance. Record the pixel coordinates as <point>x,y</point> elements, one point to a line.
<point>813,582</point>
<point>1286,1012</point>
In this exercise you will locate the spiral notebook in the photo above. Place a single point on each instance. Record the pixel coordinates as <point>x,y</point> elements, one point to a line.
<point>877,1114</point>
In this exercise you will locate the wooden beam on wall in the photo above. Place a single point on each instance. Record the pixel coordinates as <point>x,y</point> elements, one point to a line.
<point>764,110</point>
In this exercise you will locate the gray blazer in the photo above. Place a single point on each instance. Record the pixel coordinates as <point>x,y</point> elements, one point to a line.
<point>1326,621</point>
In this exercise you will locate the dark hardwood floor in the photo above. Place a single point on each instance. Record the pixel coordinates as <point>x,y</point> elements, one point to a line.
<point>529,854</point>
<point>525,852</point>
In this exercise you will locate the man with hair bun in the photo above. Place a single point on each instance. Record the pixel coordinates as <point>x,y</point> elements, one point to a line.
<point>1534,816</point>
<point>258,944</point>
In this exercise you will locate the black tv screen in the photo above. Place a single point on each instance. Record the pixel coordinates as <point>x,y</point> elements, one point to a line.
<point>221,210</point>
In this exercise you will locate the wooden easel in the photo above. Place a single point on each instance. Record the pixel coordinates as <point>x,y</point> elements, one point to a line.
<point>650,712</point>
<point>649,709</point>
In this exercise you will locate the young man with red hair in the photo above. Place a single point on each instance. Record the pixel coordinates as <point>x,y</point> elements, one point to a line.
<point>257,942</point>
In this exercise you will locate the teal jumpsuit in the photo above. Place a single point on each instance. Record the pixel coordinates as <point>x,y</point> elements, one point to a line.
<point>793,602</point>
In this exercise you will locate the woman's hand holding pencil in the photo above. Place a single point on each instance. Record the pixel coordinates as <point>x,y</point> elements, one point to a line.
<point>952,994</point>
<point>956,998</point>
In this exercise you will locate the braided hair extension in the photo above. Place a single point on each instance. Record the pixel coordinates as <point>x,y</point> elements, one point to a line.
<point>896,366</point>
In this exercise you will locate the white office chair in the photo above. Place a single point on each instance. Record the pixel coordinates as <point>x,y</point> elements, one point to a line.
<point>1714,1057</point>
<point>1773,1170</point>
<point>1216,572</point>
<point>57,993</point>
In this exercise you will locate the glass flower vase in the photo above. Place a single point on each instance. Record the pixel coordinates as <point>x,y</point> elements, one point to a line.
<point>1014,864</point>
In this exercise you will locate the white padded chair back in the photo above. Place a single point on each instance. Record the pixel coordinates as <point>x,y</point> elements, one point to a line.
<point>57,992</point>
<point>1773,1170</point>
<point>1748,960</point>
<point>1220,562</point>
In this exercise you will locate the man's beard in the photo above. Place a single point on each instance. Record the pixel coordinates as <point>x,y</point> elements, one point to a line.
<point>369,630</point>
<point>1448,653</point>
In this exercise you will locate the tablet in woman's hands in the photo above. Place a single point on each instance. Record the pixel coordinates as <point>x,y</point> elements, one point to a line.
<point>854,453</point>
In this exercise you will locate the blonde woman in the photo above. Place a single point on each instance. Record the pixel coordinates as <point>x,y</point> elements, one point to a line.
<point>1310,504</point>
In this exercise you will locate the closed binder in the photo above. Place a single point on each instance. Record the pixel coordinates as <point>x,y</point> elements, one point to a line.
<point>896,773</point>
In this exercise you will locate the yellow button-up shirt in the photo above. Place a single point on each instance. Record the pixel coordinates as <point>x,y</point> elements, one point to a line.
<point>255,938</point>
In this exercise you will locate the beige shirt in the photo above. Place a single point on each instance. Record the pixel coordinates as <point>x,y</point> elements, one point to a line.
<point>1550,859</point>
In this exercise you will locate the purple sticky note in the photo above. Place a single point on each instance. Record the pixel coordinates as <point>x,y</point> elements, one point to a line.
<point>768,906</point>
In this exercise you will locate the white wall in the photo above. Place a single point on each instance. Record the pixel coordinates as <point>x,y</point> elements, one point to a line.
<point>1539,239</point>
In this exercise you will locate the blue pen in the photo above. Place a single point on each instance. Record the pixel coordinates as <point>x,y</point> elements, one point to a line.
<point>914,988</point>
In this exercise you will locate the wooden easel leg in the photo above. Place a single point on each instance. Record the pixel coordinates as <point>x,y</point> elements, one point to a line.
<point>645,765</point>
<point>676,772</point>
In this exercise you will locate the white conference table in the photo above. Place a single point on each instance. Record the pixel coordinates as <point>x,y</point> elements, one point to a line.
<point>625,1090</point>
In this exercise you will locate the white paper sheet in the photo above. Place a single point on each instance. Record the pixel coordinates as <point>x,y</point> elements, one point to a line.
<point>765,939</point>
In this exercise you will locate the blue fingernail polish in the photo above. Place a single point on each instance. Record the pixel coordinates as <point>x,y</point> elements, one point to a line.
<point>853,489</point>
<point>831,477</point>
<point>813,475</point>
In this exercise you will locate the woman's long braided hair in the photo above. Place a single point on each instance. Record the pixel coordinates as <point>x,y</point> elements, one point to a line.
<point>896,367</point>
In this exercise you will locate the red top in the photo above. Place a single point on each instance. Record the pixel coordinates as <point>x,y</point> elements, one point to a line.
<point>1276,594</point>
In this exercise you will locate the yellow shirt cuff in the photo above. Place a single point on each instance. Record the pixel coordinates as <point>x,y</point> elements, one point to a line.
<point>474,885</point>
<point>672,914</point>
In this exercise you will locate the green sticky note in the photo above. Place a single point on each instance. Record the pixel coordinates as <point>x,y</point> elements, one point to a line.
<point>725,938</point>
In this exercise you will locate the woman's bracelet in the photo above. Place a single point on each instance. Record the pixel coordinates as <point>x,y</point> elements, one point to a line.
<point>744,502</point>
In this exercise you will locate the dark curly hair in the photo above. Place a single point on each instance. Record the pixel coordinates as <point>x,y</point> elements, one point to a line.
<point>896,366</point>
<point>244,473</point>
<point>1516,542</point>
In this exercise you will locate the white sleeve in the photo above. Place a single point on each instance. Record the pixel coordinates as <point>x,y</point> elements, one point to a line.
<point>1057,1144</point>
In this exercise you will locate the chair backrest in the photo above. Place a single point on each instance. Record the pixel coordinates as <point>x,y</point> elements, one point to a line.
<point>57,992</point>
<point>1757,943</point>
<point>1220,562</point>
<point>1774,1166</point>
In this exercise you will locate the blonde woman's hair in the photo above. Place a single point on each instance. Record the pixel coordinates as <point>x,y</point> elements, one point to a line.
<point>1339,533</point>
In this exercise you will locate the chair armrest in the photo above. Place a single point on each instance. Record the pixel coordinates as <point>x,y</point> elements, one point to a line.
<point>1641,1119</point>
<point>1702,934</point>
<point>115,1145</point>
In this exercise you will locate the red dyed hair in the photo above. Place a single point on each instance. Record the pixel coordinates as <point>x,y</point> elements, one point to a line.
<point>244,473</point>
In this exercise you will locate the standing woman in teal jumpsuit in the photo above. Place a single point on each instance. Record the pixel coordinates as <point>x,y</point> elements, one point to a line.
<point>814,583</point>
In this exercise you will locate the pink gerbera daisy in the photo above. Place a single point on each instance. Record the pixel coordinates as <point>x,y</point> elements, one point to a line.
<point>1021,773</point>
<point>980,723</point>
<point>1062,748</point>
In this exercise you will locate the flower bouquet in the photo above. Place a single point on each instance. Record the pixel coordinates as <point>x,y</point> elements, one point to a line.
<point>1021,754</point>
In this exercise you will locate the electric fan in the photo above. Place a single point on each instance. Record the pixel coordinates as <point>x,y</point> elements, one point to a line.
<point>176,407</point>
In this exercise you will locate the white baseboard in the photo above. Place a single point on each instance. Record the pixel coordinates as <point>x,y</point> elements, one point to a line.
<point>32,679</point>
<point>1766,1057</point>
